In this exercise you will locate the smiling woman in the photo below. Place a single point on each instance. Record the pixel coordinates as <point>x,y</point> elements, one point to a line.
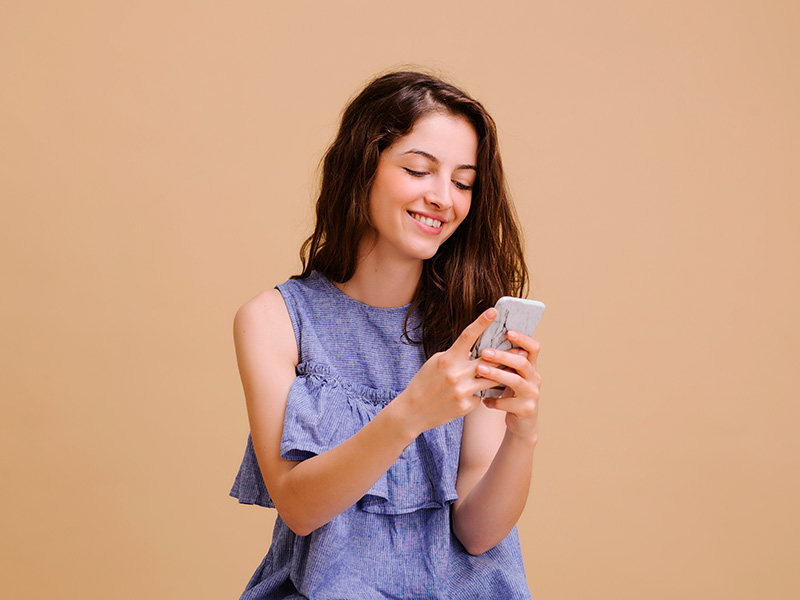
<point>431,186</point>
<point>391,477</point>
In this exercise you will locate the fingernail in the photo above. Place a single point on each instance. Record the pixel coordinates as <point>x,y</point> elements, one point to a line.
<point>483,369</point>
<point>512,335</point>
<point>488,353</point>
<point>490,314</point>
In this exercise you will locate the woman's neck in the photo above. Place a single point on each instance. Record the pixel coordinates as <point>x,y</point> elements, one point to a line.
<point>383,283</point>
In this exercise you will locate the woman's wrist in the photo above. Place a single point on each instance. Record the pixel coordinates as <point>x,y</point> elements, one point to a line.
<point>400,419</point>
<point>522,440</point>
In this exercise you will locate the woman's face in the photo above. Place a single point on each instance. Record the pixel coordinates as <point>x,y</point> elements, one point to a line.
<point>423,187</point>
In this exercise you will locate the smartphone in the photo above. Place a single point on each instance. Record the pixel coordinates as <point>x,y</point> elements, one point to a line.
<point>517,314</point>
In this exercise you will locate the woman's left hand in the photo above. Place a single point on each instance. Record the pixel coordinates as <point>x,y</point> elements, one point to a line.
<point>520,400</point>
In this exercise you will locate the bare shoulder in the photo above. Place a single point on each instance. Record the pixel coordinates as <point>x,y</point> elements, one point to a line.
<point>264,321</point>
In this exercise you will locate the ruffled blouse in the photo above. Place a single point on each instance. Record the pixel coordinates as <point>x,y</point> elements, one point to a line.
<point>395,542</point>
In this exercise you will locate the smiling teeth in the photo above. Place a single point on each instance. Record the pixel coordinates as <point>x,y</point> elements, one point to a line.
<point>426,220</point>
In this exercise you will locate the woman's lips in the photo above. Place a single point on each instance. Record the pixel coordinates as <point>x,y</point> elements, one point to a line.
<point>429,221</point>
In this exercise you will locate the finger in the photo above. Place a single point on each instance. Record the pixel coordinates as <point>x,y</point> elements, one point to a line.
<point>527,343</point>
<point>482,379</point>
<point>467,338</point>
<point>481,384</point>
<point>523,408</point>
<point>522,386</point>
<point>501,376</point>
<point>515,358</point>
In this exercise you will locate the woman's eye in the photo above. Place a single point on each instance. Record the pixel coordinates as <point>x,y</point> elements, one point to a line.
<point>415,173</point>
<point>462,186</point>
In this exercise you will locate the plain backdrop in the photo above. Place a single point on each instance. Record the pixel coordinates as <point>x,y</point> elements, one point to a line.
<point>157,169</point>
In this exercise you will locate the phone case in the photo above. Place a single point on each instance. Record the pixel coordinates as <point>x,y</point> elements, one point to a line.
<point>518,314</point>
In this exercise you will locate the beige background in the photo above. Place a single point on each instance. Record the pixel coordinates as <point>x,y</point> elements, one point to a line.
<point>157,164</point>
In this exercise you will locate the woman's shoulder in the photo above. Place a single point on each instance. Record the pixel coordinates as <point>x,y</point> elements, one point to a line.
<point>265,306</point>
<point>264,321</point>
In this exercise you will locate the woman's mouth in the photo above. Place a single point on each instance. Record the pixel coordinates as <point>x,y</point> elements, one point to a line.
<point>425,220</point>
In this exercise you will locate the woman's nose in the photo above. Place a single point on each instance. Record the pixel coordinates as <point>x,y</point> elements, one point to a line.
<point>439,194</point>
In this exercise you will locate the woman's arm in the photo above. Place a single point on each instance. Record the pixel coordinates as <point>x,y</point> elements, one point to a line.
<point>497,447</point>
<point>306,493</point>
<point>309,493</point>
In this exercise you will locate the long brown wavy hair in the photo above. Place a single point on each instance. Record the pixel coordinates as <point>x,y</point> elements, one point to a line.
<point>481,261</point>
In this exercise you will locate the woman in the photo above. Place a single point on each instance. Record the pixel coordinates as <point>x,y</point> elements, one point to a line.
<point>391,477</point>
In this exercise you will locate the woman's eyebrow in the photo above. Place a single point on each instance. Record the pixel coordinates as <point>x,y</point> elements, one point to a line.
<point>435,160</point>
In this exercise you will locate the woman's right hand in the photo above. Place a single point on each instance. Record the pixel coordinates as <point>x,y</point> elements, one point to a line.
<point>445,387</point>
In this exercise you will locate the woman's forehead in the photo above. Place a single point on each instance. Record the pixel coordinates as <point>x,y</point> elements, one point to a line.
<point>441,138</point>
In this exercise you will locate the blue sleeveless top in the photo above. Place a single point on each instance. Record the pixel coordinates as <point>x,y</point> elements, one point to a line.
<point>396,541</point>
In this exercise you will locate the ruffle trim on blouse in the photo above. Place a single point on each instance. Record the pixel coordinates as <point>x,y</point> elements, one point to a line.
<point>322,411</point>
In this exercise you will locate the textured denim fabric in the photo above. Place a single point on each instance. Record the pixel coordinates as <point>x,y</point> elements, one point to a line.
<point>395,542</point>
